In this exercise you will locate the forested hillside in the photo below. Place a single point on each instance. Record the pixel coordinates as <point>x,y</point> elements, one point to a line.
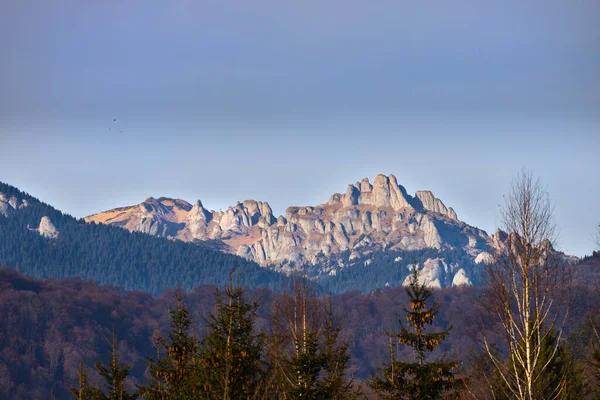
<point>110,255</point>
<point>50,326</point>
<point>389,268</point>
<point>136,261</point>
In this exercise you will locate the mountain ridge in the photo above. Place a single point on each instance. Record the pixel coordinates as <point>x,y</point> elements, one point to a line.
<point>368,217</point>
<point>43,242</point>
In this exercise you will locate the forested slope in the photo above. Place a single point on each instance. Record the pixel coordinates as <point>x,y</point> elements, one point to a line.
<point>49,326</point>
<point>110,255</point>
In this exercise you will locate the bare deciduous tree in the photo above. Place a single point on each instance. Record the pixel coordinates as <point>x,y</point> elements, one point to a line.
<point>527,291</point>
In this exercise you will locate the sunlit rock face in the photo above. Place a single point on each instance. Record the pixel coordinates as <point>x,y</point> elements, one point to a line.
<point>367,217</point>
<point>437,273</point>
<point>47,229</point>
<point>485,258</point>
<point>158,217</point>
<point>10,204</point>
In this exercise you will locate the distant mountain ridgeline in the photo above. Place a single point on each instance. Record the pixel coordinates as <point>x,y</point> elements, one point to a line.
<point>368,238</point>
<point>329,239</point>
<point>43,242</point>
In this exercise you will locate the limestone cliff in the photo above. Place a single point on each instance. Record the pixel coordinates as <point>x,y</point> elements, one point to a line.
<point>9,204</point>
<point>47,229</point>
<point>366,218</point>
<point>159,217</point>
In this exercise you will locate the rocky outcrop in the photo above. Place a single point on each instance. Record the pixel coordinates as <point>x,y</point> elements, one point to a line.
<point>437,273</point>
<point>246,218</point>
<point>461,279</point>
<point>485,258</point>
<point>367,217</point>
<point>385,192</point>
<point>432,203</point>
<point>47,229</point>
<point>159,217</point>
<point>10,204</point>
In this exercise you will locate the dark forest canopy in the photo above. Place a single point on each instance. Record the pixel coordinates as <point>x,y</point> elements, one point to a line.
<point>50,326</point>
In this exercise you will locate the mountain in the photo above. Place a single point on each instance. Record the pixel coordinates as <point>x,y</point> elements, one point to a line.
<point>41,241</point>
<point>159,217</point>
<point>346,230</point>
<point>369,237</point>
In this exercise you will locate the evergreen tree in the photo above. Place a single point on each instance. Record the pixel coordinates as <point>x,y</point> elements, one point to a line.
<point>561,367</point>
<point>114,376</point>
<point>420,379</point>
<point>594,358</point>
<point>84,391</point>
<point>336,352</point>
<point>175,375</point>
<point>308,358</point>
<point>562,376</point>
<point>231,356</point>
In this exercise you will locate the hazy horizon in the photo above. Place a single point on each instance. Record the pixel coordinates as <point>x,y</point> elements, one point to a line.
<point>103,105</point>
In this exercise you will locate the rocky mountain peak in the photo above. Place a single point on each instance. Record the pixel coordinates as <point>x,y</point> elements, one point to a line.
<point>384,192</point>
<point>161,217</point>
<point>368,217</point>
<point>431,203</point>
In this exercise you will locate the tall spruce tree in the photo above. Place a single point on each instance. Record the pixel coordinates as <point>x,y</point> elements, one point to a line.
<point>114,376</point>
<point>561,367</point>
<point>419,379</point>
<point>175,372</point>
<point>563,377</point>
<point>594,356</point>
<point>84,391</point>
<point>231,355</point>
<point>336,351</point>
<point>308,358</point>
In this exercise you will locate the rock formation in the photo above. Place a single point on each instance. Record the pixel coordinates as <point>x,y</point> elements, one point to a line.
<point>366,218</point>
<point>47,229</point>
<point>159,217</point>
<point>431,203</point>
<point>9,204</point>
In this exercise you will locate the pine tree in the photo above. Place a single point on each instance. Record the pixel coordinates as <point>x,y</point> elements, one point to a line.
<point>84,391</point>
<point>336,352</point>
<point>231,355</point>
<point>114,376</point>
<point>561,367</point>
<point>562,376</point>
<point>595,363</point>
<point>175,370</point>
<point>420,379</point>
<point>594,357</point>
<point>308,358</point>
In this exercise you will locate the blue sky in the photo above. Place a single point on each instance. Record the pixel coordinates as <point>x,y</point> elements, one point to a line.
<point>290,101</point>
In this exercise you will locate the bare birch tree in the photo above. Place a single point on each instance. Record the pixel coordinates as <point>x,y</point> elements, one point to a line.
<point>527,292</point>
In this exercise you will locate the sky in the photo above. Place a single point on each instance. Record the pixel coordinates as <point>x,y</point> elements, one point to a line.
<point>105,103</point>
